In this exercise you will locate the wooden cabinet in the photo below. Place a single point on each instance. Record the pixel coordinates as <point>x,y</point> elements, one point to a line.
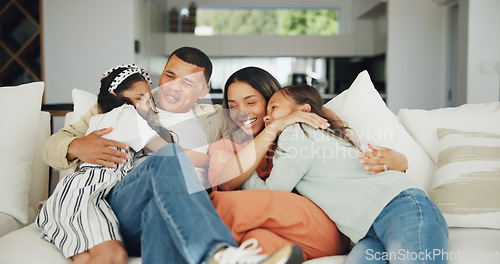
<point>20,42</point>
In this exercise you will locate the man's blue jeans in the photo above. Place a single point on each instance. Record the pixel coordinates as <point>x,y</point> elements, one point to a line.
<point>410,229</point>
<point>159,219</point>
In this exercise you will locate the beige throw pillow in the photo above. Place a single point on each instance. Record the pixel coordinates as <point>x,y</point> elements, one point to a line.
<point>466,184</point>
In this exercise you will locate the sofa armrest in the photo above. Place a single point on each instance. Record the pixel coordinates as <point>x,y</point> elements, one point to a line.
<point>39,185</point>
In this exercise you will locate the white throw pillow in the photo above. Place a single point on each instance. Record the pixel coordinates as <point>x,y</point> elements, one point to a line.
<point>367,114</point>
<point>422,124</point>
<point>20,114</point>
<point>466,184</point>
<point>82,102</point>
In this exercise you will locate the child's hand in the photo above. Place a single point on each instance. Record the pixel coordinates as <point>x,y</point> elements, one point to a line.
<point>381,159</point>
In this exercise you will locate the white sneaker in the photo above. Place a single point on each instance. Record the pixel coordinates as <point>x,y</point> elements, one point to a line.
<point>248,253</point>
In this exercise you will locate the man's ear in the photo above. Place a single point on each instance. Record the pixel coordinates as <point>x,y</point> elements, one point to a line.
<point>305,108</point>
<point>113,93</point>
<point>204,91</point>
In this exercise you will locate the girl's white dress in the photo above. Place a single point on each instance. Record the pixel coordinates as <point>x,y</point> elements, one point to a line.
<point>76,217</point>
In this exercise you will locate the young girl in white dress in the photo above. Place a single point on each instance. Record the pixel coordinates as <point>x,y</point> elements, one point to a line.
<point>77,217</point>
<point>387,215</point>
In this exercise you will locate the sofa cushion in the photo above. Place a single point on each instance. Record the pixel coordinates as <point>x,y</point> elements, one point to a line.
<point>466,184</point>
<point>82,102</point>
<point>473,245</point>
<point>20,114</point>
<point>367,114</point>
<point>327,260</point>
<point>422,124</point>
<point>8,224</point>
<point>25,246</point>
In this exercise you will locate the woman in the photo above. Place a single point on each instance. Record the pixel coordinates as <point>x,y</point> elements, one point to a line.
<point>246,94</point>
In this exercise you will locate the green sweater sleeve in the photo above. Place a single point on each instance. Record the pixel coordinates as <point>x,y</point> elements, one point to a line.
<point>290,163</point>
<point>56,146</point>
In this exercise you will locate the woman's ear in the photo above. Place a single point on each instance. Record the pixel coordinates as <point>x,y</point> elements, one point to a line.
<point>305,108</point>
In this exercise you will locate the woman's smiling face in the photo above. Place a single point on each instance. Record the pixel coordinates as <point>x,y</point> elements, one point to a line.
<point>247,107</point>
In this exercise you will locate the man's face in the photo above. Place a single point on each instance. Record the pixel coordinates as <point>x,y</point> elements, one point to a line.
<point>181,84</point>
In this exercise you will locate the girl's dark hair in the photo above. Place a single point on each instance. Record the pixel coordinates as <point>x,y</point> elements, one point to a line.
<point>306,94</point>
<point>259,79</point>
<point>108,101</point>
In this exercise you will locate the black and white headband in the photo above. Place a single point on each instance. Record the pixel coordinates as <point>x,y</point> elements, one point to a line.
<point>131,69</point>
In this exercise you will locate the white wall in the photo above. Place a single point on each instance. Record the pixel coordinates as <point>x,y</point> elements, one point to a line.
<point>483,51</point>
<point>415,55</point>
<point>81,40</point>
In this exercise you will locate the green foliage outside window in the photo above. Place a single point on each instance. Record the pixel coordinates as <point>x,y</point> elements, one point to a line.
<point>269,22</point>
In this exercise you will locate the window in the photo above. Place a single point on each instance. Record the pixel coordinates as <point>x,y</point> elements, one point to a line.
<point>265,21</point>
<point>287,70</point>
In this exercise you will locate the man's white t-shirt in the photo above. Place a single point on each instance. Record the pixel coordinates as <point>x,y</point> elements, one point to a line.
<point>189,134</point>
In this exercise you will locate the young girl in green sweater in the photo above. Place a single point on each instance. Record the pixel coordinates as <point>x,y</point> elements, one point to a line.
<point>387,215</point>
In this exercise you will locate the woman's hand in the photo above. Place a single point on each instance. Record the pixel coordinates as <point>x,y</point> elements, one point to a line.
<point>380,156</point>
<point>311,119</point>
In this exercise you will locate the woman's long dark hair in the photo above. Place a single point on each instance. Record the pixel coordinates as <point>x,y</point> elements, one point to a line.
<point>259,79</point>
<point>107,101</point>
<point>306,94</point>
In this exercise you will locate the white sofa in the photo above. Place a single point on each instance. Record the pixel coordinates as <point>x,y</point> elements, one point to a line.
<point>466,245</point>
<point>39,185</point>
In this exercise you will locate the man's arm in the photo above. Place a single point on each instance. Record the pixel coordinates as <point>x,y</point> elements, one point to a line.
<point>70,145</point>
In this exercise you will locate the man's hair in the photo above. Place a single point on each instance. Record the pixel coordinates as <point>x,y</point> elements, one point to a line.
<point>196,57</point>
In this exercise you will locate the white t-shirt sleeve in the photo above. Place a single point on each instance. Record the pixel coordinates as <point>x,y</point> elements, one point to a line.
<point>128,127</point>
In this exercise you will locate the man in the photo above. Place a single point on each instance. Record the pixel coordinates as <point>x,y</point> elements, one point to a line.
<point>183,81</point>
<point>160,218</point>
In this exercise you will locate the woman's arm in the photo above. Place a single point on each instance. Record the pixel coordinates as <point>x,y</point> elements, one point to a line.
<point>240,168</point>
<point>330,114</point>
